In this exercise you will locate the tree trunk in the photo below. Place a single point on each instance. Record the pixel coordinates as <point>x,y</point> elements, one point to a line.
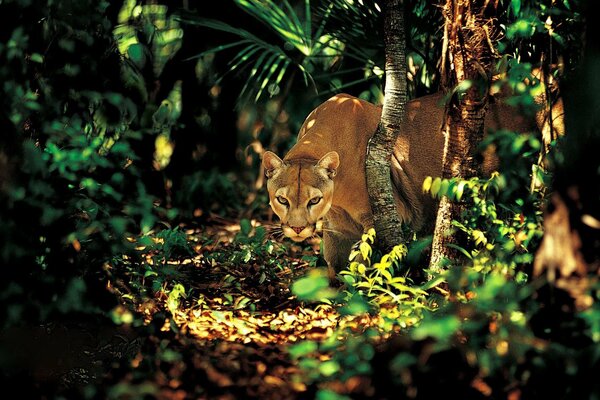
<point>379,150</point>
<point>467,58</point>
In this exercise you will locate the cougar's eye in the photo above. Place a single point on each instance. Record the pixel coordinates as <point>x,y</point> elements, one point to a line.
<point>282,200</point>
<point>314,200</point>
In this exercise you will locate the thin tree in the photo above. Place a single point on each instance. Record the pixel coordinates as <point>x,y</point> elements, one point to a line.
<point>467,55</point>
<point>379,150</point>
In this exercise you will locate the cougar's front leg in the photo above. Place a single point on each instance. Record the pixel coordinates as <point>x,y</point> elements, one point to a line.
<point>366,220</point>
<point>336,249</point>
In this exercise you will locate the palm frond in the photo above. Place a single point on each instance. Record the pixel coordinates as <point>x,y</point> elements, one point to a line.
<point>357,23</point>
<point>339,33</point>
<point>246,36</point>
<point>286,24</point>
<point>255,53</point>
<point>266,73</point>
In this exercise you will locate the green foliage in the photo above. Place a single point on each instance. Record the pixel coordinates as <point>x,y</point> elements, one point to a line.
<point>502,217</point>
<point>172,244</point>
<point>147,39</point>
<point>497,329</point>
<point>313,287</point>
<point>74,122</point>
<point>174,297</point>
<point>269,63</point>
<point>372,286</point>
<point>146,36</point>
<point>335,46</point>
<point>307,44</point>
<point>252,247</point>
<point>338,358</point>
<point>213,191</point>
<point>500,235</point>
<point>534,22</point>
<point>377,281</point>
<point>155,265</point>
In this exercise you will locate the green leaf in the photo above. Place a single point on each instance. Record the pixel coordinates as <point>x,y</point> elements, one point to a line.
<point>357,305</point>
<point>313,287</point>
<point>136,54</point>
<point>437,327</point>
<point>460,190</point>
<point>149,272</point>
<point>241,302</point>
<point>401,361</point>
<point>444,188</point>
<point>37,58</point>
<point>559,39</point>
<point>463,86</point>
<point>326,394</point>
<point>126,11</point>
<point>433,282</point>
<point>361,268</point>
<point>119,224</point>
<point>516,6</point>
<point>522,28</point>
<point>302,349</point>
<point>521,278</point>
<point>245,227</point>
<point>461,249</point>
<point>247,255</point>
<point>329,368</point>
<point>259,234</point>
<point>494,284</point>
<point>387,275</point>
<point>169,355</point>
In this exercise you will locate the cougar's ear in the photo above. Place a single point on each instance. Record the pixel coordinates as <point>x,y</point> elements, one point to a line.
<point>271,162</point>
<point>331,162</point>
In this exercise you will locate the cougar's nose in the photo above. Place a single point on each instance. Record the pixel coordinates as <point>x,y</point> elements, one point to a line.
<point>297,229</point>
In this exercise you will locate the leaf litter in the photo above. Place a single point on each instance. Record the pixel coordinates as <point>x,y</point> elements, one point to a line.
<point>227,335</point>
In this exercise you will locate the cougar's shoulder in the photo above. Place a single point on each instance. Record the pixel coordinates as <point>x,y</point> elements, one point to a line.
<point>342,124</point>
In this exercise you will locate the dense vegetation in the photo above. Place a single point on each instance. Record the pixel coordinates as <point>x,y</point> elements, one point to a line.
<point>136,238</point>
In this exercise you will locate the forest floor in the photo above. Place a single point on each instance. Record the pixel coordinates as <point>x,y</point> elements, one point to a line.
<point>237,321</point>
<point>215,323</point>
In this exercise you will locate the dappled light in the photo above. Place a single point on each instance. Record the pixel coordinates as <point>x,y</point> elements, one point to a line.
<point>216,305</point>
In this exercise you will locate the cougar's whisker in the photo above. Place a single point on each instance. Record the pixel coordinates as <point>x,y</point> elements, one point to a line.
<point>330,230</point>
<point>277,234</point>
<point>271,227</point>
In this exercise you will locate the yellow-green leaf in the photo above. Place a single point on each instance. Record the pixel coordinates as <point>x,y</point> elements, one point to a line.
<point>459,190</point>
<point>435,187</point>
<point>386,274</point>
<point>361,269</point>
<point>365,250</point>
<point>427,184</point>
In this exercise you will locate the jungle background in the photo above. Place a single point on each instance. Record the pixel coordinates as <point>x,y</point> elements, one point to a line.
<point>137,244</point>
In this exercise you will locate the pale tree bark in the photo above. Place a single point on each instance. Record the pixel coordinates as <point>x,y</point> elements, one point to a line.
<point>379,150</point>
<point>468,55</point>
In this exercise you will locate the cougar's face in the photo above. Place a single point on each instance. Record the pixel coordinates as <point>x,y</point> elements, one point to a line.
<point>300,192</point>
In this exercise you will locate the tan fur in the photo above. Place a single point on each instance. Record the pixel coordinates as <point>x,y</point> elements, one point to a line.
<point>343,125</point>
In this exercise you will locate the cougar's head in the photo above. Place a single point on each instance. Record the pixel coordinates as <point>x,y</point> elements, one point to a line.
<point>300,191</point>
